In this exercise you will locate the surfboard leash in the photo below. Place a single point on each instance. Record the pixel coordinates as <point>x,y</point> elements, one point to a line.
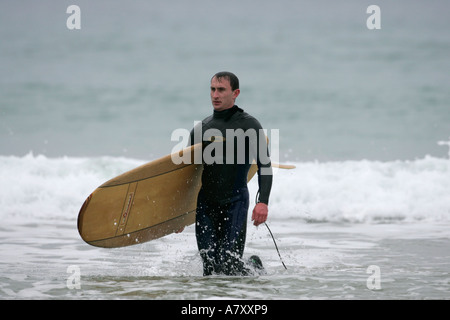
<point>276,247</point>
<point>271,234</point>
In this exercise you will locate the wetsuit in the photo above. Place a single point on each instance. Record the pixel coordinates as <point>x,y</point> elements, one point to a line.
<point>223,200</point>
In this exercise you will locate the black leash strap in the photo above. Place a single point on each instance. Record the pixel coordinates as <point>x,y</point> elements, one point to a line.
<point>276,247</point>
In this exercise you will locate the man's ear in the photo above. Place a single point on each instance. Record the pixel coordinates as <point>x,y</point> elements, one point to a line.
<point>236,93</point>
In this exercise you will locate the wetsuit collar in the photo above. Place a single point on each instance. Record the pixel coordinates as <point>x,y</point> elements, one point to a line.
<point>226,114</point>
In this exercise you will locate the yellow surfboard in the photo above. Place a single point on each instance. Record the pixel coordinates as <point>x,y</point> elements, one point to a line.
<point>146,203</point>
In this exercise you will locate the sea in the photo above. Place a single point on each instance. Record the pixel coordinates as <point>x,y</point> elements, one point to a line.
<point>354,93</point>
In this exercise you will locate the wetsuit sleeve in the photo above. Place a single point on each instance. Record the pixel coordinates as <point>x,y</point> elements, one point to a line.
<point>265,175</point>
<point>265,178</point>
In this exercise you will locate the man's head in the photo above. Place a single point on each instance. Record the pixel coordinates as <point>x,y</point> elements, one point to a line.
<point>224,90</point>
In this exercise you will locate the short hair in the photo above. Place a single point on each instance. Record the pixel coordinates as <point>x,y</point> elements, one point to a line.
<point>231,77</point>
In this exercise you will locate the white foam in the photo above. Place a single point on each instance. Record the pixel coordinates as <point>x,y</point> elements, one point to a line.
<point>361,191</point>
<point>352,191</point>
<point>41,187</point>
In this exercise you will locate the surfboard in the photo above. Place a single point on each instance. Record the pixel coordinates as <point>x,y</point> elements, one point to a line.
<point>146,203</point>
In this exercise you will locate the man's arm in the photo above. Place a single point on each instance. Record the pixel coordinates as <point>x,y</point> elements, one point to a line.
<point>265,177</point>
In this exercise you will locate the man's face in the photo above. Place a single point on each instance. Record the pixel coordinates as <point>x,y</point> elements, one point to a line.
<point>222,97</point>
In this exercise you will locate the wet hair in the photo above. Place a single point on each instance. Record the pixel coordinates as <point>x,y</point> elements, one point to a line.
<point>231,77</point>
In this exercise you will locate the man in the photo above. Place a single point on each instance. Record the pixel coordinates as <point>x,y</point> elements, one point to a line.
<point>223,201</point>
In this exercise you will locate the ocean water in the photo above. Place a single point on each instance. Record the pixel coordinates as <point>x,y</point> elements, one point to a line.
<point>363,114</point>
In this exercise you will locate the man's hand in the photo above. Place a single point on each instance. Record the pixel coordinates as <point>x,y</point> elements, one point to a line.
<point>260,213</point>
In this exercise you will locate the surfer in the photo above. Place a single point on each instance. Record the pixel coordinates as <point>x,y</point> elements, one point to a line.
<point>223,200</point>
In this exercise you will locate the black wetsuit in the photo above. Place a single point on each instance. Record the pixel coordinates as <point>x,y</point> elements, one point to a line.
<point>223,200</point>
